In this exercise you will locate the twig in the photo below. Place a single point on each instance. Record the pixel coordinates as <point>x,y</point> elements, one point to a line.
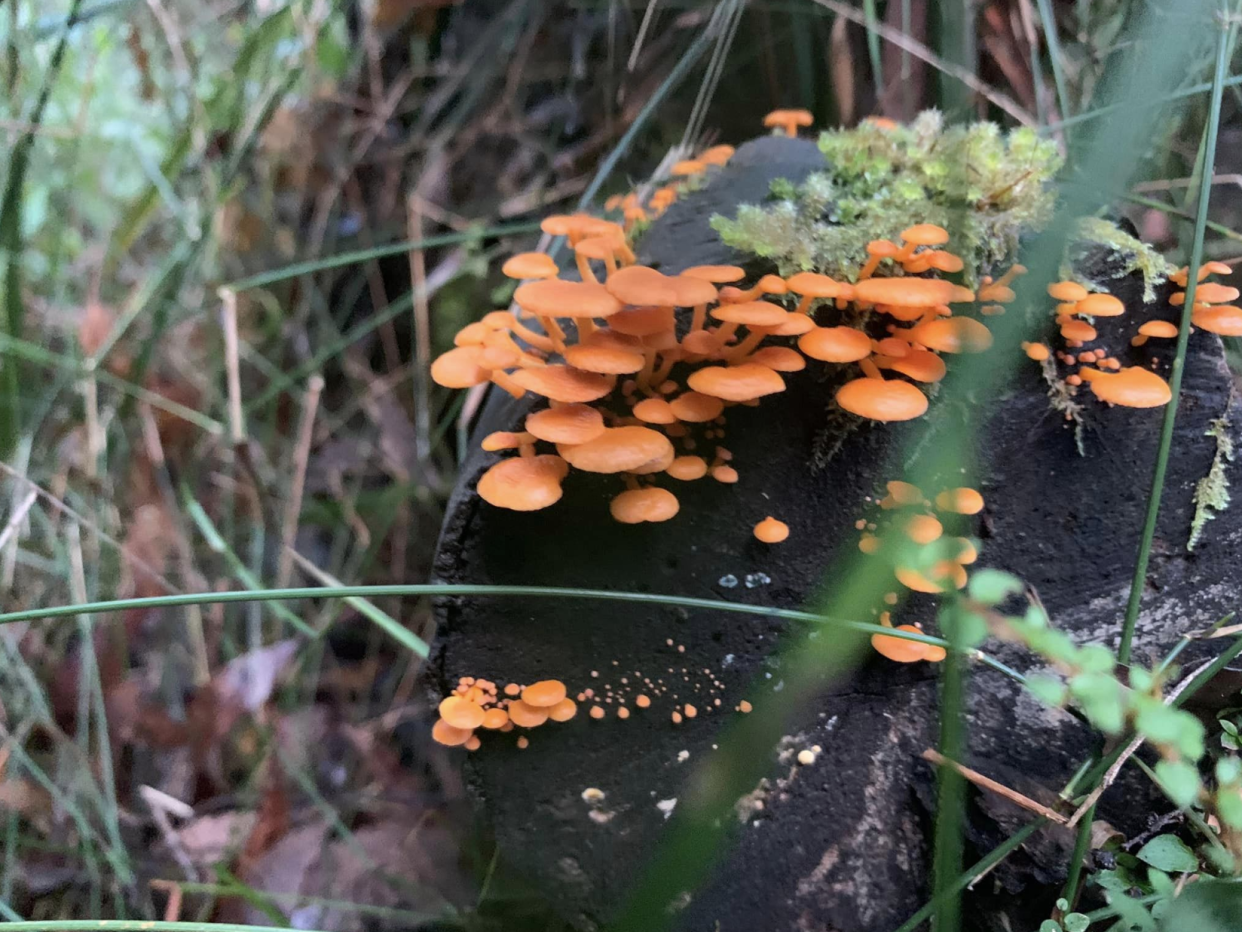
<point>1111,775</point>
<point>999,788</point>
<point>237,424</point>
<point>921,51</point>
<point>422,332</point>
<point>301,456</point>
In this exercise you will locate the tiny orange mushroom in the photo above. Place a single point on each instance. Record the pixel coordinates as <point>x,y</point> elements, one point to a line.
<point>788,120</point>
<point>771,531</point>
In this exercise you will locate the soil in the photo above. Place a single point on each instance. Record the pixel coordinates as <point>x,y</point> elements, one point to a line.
<point>842,843</point>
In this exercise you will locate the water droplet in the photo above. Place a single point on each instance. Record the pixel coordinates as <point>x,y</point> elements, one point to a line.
<point>757,579</point>
<point>728,581</point>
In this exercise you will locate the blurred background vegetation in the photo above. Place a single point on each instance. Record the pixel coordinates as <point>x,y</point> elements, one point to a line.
<point>234,233</point>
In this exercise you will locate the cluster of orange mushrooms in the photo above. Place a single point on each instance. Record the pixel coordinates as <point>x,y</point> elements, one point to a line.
<point>910,520</point>
<point>632,386</point>
<point>1131,386</point>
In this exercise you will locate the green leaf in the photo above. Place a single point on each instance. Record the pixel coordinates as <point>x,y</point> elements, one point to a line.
<point>1228,770</point>
<point>1076,922</point>
<point>1206,906</point>
<point>1095,658</point>
<point>1161,882</point>
<point>1140,680</point>
<point>1049,926</point>
<point>1101,699</point>
<point>992,586</point>
<point>1180,781</point>
<point>1229,806</point>
<point>1047,689</point>
<point>1229,727</point>
<point>1168,853</point>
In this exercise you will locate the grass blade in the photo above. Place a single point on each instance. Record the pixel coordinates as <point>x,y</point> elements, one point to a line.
<point>1048,20</point>
<point>1179,362</point>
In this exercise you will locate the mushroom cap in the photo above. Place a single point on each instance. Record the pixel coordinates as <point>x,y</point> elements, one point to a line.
<point>643,321</point>
<point>1078,330</point>
<point>701,342</point>
<point>715,274</point>
<point>1100,305</point>
<point>1036,351</point>
<point>696,407</point>
<point>655,411</point>
<point>814,285</point>
<point>1160,329</point>
<point>945,576</point>
<point>473,334</point>
<point>907,291</point>
<point>692,290</point>
<point>1132,387</point>
<point>751,313</point>
<point>1214,293</point>
<point>565,224</point>
<point>444,733</point>
<point>687,468</point>
<point>617,449</point>
<point>608,360</point>
<point>962,501</point>
<point>636,506</point>
<point>563,711</point>
<point>920,365</point>
<point>459,368</point>
<point>771,531</point>
<point>883,248</point>
<point>953,335</point>
<point>642,285</point>
<point>899,649</point>
<point>949,262</point>
<point>564,383</point>
<point>505,440</point>
<point>575,423</point>
<point>745,382</point>
<point>1225,319</point>
<point>523,483</point>
<point>923,529</point>
<point>530,265</point>
<point>925,234</point>
<point>772,284</point>
<point>555,297</point>
<point>659,464</point>
<point>835,344</point>
<point>607,336</point>
<point>543,694</point>
<point>904,493</point>
<point>526,715</point>
<point>795,325</point>
<point>778,359</point>
<point>687,167</point>
<point>461,713</point>
<point>717,155</point>
<point>780,117</point>
<point>1067,291</point>
<point>599,247</point>
<point>882,399</point>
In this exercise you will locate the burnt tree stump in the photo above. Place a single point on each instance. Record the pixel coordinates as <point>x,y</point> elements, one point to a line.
<point>844,843</point>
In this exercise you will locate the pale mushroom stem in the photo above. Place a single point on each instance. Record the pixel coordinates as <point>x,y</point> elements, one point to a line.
<point>586,327</point>
<point>743,349</point>
<point>667,361</point>
<point>585,270</point>
<point>1139,340</point>
<point>526,449</point>
<point>538,340</point>
<point>804,306</point>
<point>791,128</point>
<point>644,377</point>
<point>906,251</point>
<point>725,332</point>
<point>1014,271</point>
<point>610,264</point>
<point>699,318</point>
<point>869,267</point>
<point>626,254</point>
<point>502,380</point>
<point>870,369</point>
<point>631,481</point>
<point>555,334</point>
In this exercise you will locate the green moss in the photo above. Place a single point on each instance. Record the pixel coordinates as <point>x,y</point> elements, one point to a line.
<point>987,186</point>
<point>1212,491</point>
<point>1135,255</point>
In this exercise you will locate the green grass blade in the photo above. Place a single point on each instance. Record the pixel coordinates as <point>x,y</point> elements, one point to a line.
<point>1048,21</point>
<point>873,48</point>
<point>378,252</point>
<point>14,301</point>
<point>1179,362</point>
<point>951,787</point>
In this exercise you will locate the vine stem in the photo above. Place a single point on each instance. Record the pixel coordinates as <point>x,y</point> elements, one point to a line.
<point>1179,360</point>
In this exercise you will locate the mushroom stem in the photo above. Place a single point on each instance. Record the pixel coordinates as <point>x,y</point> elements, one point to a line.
<point>610,264</point>
<point>753,339</point>
<point>870,369</point>
<point>586,327</point>
<point>1139,340</point>
<point>555,334</point>
<point>626,254</point>
<point>585,270</point>
<point>725,332</point>
<point>869,267</point>
<point>631,481</point>
<point>501,379</point>
<point>538,340</point>
<point>699,318</point>
<point>644,377</point>
<point>667,360</point>
<point>804,306</point>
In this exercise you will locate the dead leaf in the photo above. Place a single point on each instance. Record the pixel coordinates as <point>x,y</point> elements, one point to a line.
<point>211,839</point>
<point>247,681</point>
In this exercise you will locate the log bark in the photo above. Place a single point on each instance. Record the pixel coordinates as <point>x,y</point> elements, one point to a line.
<point>842,844</point>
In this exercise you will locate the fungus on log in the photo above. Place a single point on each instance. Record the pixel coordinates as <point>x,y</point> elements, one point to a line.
<point>841,842</point>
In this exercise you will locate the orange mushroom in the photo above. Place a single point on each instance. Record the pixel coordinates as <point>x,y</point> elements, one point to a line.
<point>744,382</point>
<point>835,344</point>
<point>953,335</point>
<point>771,531</point>
<point>617,449</point>
<point>881,399</point>
<point>523,483</point>
<point>564,383</point>
<point>526,265</point>
<point>1132,387</point>
<point>651,504</point>
<point>788,120</point>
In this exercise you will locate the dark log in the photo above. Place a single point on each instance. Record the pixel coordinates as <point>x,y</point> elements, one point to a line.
<point>842,844</point>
